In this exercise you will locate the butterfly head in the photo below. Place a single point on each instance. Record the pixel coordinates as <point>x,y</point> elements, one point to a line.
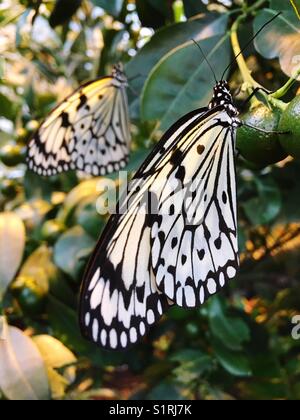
<point>222,97</point>
<point>118,73</point>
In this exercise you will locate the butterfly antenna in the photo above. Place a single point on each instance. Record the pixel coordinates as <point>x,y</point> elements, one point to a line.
<point>249,42</point>
<point>205,58</point>
<point>137,76</point>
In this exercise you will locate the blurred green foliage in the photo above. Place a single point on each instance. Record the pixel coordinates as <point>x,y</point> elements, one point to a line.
<point>237,346</point>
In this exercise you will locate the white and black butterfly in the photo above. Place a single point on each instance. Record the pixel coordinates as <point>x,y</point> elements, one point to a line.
<point>89,131</point>
<point>174,238</point>
<point>182,250</point>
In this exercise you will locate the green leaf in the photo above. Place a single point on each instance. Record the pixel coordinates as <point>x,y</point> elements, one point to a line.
<point>163,392</point>
<point>192,7</point>
<point>280,39</point>
<point>23,374</point>
<point>281,5</point>
<point>12,245</point>
<point>78,194</point>
<point>288,184</point>
<point>193,370</point>
<point>36,186</point>
<point>7,107</point>
<point>137,158</point>
<point>193,364</point>
<point>165,40</point>
<point>2,67</point>
<point>179,83</point>
<point>235,363</point>
<point>87,216</point>
<point>63,11</point>
<point>177,313</point>
<point>113,7</point>
<point>267,205</point>
<point>186,355</point>
<point>71,250</point>
<point>39,265</point>
<point>64,323</point>
<point>154,13</point>
<point>232,332</point>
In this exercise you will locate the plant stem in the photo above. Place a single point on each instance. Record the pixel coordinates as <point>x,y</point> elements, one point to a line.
<point>255,6</point>
<point>249,82</point>
<point>246,74</point>
<point>284,89</point>
<point>296,8</point>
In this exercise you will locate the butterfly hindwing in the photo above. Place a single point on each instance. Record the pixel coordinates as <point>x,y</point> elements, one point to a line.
<point>88,131</point>
<point>120,299</point>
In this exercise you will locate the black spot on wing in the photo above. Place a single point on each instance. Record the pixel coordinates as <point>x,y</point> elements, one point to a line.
<point>83,100</point>
<point>65,122</point>
<point>176,157</point>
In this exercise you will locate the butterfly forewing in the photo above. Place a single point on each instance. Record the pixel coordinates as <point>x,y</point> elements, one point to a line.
<point>194,236</point>
<point>88,131</point>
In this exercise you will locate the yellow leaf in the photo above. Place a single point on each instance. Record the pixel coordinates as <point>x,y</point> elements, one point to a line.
<point>56,356</point>
<point>23,373</point>
<point>12,244</point>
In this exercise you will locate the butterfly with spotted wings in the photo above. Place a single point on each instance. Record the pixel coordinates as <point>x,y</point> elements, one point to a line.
<point>143,261</point>
<point>174,237</point>
<point>89,131</point>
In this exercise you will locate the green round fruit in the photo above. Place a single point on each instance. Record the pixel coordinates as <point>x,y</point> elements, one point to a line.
<point>29,294</point>
<point>12,154</point>
<point>22,136</point>
<point>8,188</point>
<point>256,146</point>
<point>51,230</point>
<point>290,123</point>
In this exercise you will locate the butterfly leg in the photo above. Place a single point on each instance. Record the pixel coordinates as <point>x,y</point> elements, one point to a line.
<point>255,91</point>
<point>264,131</point>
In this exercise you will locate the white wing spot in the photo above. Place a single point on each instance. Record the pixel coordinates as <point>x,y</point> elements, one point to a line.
<point>142,328</point>
<point>97,294</point>
<point>94,280</point>
<point>150,317</point>
<point>95,330</point>
<point>190,296</point>
<point>133,335</point>
<point>202,295</point>
<point>103,337</point>
<point>87,319</point>
<point>124,339</point>
<point>113,338</point>
<point>211,286</point>
<point>231,272</point>
<point>159,308</point>
<point>222,280</point>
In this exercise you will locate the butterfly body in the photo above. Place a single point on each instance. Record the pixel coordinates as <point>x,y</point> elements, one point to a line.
<point>174,238</point>
<point>88,131</point>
